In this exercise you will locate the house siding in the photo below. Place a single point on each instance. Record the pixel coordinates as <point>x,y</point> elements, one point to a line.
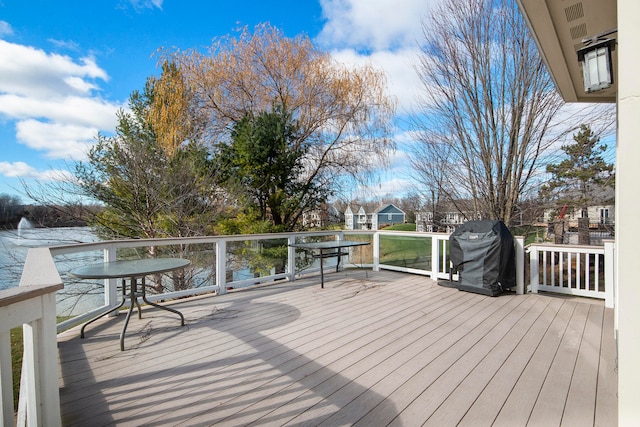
<point>373,220</point>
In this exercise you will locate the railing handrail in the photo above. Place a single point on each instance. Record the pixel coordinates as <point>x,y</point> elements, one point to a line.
<point>168,241</point>
<point>568,248</point>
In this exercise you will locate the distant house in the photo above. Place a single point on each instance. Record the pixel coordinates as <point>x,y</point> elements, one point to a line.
<point>447,217</point>
<point>601,212</point>
<point>447,224</point>
<point>321,217</point>
<point>367,218</point>
<point>598,215</point>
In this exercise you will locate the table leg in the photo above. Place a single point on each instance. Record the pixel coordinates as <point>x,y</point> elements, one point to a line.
<point>321,270</point>
<point>133,301</point>
<point>144,298</point>
<point>104,314</point>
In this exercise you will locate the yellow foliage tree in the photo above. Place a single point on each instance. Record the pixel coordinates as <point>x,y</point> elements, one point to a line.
<point>169,113</point>
<point>345,114</point>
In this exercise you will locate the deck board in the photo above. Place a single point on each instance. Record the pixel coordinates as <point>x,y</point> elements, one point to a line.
<point>489,403</point>
<point>519,405</point>
<point>388,348</point>
<point>607,391</point>
<point>580,409</point>
<point>550,405</point>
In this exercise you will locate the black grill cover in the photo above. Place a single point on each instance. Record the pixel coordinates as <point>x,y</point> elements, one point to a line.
<point>483,252</point>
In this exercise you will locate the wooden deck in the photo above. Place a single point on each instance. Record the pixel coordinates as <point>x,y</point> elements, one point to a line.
<point>388,349</point>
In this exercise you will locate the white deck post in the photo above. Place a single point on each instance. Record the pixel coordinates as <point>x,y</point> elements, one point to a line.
<point>533,269</point>
<point>435,257</point>
<point>291,255</point>
<point>376,251</point>
<point>110,285</point>
<point>35,310</point>
<point>609,271</point>
<point>519,265</point>
<point>221,266</point>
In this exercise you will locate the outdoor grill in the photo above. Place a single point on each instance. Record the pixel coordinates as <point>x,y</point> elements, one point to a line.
<point>483,253</point>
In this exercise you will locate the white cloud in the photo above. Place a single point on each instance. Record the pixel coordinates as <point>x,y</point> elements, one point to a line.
<point>23,170</point>
<point>5,29</point>
<point>384,34</point>
<point>372,24</point>
<point>393,187</point>
<point>53,100</point>
<point>25,70</point>
<point>58,141</point>
<point>64,44</point>
<point>399,67</point>
<point>71,110</point>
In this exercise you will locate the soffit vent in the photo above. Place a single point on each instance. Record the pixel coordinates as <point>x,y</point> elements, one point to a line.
<point>574,12</point>
<point>578,32</point>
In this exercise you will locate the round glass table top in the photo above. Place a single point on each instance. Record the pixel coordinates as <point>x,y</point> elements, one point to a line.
<point>128,268</point>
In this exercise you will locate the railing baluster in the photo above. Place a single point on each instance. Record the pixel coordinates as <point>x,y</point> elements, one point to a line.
<point>435,257</point>
<point>544,267</point>
<point>561,270</point>
<point>376,252</point>
<point>587,272</point>
<point>553,268</point>
<point>291,256</point>
<point>534,274</point>
<point>221,266</point>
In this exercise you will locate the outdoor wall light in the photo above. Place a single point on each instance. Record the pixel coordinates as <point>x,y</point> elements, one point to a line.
<point>596,62</point>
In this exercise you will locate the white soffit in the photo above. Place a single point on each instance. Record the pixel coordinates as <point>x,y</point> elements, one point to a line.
<point>559,26</point>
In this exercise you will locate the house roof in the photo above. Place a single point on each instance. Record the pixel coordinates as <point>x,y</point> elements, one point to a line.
<point>371,208</point>
<point>598,195</point>
<point>390,208</point>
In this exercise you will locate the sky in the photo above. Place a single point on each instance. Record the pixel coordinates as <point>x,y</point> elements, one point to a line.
<point>66,67</point>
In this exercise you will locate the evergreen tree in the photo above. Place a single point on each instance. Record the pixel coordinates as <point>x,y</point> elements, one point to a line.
<point>264,165</point>
<point>150,189</point>
<point>579,179</point>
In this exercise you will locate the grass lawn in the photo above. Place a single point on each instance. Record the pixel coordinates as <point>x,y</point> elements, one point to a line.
<point>16,362</point>
<point>402,227</point>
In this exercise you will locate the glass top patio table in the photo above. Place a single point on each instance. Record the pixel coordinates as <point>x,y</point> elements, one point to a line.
<point>128,268</point>
<point>131,270</point>
<point>334,248</point>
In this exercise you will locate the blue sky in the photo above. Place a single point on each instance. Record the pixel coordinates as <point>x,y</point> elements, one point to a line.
<point>66,67</point>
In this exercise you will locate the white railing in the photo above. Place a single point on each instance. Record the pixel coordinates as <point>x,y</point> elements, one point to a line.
<point>219,264</point>
<point>32,306</point>
<point>437,265</point>
<point>39,393</point>
<point>438,254</point>
<point>574,270</point>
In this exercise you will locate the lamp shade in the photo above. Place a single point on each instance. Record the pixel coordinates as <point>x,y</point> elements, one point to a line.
<point>596,65</point>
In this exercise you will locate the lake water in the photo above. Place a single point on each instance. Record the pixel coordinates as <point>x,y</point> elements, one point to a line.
<point>14,245</point>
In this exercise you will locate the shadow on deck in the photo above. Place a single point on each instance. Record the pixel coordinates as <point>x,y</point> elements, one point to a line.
<point>388,348</point>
